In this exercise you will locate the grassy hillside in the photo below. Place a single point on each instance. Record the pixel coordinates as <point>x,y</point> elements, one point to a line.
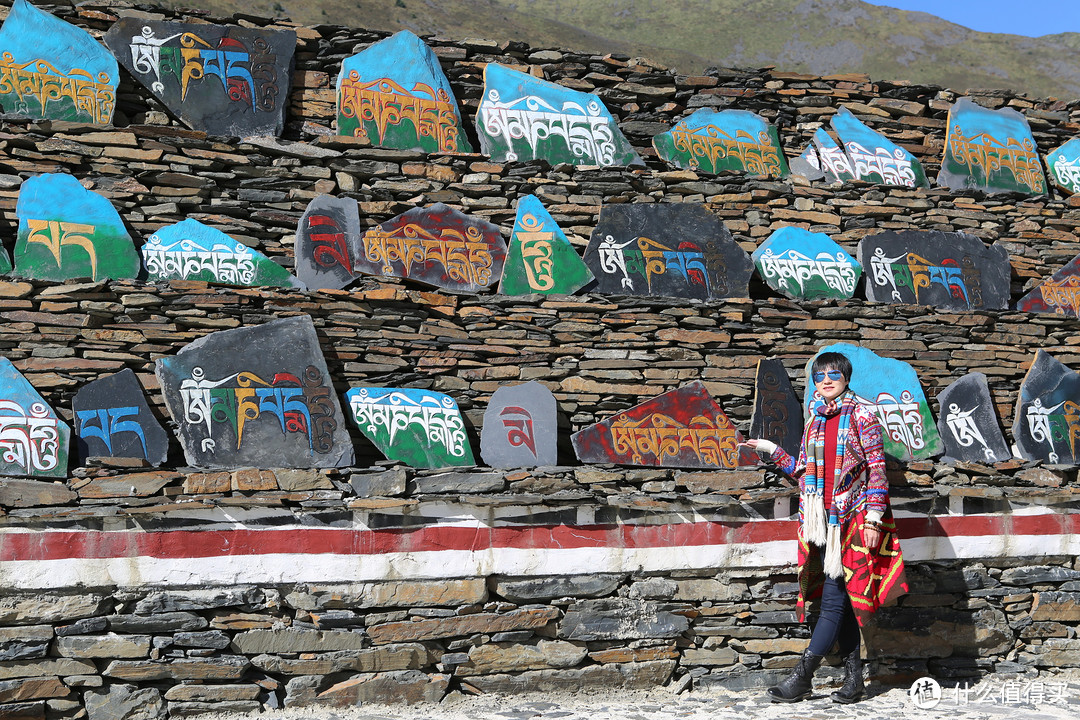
<point>813,36</point>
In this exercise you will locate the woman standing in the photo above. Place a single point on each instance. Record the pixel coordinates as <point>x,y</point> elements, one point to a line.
<point>849,554</point>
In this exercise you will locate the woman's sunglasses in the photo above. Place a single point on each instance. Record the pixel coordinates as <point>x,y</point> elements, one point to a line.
<point>833,375</point>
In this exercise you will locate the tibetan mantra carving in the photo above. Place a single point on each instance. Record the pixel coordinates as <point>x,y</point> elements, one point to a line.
<point>681,428</point>
<point>777,413</point>
<point>520,427</point>
<point>327,242</point>
<point>539,258</point>
<point>1046,423</point>
<point>968,423</point>
<point>1063,165</point>
<point>421,428</point>
<point>33,439</point>
<point>732,140</point>
<point>395,94</point>
<point>223,80</point>
<point>805,265</point>
<point>1059,293</point>
<point>112,419</point>
<point>666,249</point>
<point>990,150</point>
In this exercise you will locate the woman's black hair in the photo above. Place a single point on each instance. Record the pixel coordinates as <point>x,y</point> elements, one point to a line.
<point>832,361</point>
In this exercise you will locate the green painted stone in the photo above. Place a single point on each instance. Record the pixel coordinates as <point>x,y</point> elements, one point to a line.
<point>729,140</point>
<point>540,259</point>
<point>34,441</point>
<point>67,232</point>
<point>421,428</point>
<point>805,265</point>
<point>990,150</point>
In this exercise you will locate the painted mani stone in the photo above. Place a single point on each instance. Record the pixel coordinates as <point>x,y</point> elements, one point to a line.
<point>828,159</point>
<point>684,428</point>
<point>777,414</point>
<point>892,390</point>
<point>190,250</point>
<point>256,397</point>
<point>808,163</point>
<point>1063,165</point>
<point>436,245</point>
<point>666,249</point>
<point>67,231</point>
<point>1047,418</point>
<point>990,150</point>
<point>421,428</point>
<point>50,69</point>
<point>928,267</point>
<point>394,94</point>
<point>33,439</point>
<point>523,118</point>
<point>520,427</point>
<point>112,419</point>
<point>805,265</point>
<point>539,258</point>
<point>222,80</point>
<point>874,158</point>
<point>1060,293</point>
<point>968,423</point>
<point>712,142</point>
<point>327,243</point>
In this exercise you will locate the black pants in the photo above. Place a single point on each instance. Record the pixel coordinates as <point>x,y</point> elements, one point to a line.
<point>836,622</point>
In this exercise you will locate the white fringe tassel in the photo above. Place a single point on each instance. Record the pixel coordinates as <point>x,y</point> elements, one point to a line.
<point>814,519</point>
<point>834,566</point>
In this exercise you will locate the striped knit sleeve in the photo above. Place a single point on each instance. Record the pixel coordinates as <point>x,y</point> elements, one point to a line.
<point>877,486</point>
<point>789,465</point>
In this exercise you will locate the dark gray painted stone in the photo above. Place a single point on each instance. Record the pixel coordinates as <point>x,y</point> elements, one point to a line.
<point>968,422</point>
<point>520,427</point>
<point>112,419</point>
<point>928,267</point>
<point>223,80</point>
<point>1047,418</point>
<point>666,250</point>
<point>256,397</point>
<point>777,414</point>
<point>549,588</point>
<point>327,241</point>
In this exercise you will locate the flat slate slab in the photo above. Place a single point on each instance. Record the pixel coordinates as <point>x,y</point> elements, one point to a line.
<point>421,428</point>
<point>968,423</point>
<point>1046,423</point>
<point>539,258</point>
<point>1059,293</point>
<point>436,245</point>
<point>713,141</point>
<point>395,94</point>
<point>221,79</point>
<point>1063,166</point>
<point>53,70</point>
<point>520,427</point>
<point>808,162</point>
<point>34,441</point>
<point>892,390</point>
<point>666,250</point>
<point>112,419</point>
<point>929,267</point>
<point>805,265</point>
<point>189,250</point>
<point>327,243</point>
<point>777,414</point>
<point>683,428</point>
<point>874,158</point>
<point>256,397</point>
<point>990,150</point>
<point>524,118</point>
<point>68,232</point>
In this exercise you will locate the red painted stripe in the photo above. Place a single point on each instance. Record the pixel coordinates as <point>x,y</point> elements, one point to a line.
<point>67,544</point>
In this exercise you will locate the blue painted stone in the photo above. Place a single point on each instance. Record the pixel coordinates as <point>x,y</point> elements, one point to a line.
<point>834,164</point>
<point>874,158</point>
<point>520,427</point>
<point>54,70</point>
<point>524,118</point>
<point>421,428</point>
<point>327,243</point>
<point>221,79</point>
<point>539,258</point>
<point>34,441</point>
<point>968,422</point>
<point>1046,424</point>
<point>990,150</point>
<point>714,141</point>
<point>1063,165</point>
<point>67,232</point>
<point>892,390</point>
<point>190,250</point>
<point>112,419</point>
<point>395,94</point>
<point>805,265</point>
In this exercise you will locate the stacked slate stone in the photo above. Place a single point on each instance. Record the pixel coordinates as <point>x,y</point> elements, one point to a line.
<point>258,640</point>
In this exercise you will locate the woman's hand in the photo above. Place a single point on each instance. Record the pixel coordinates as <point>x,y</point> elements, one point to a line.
<point>871,537</point>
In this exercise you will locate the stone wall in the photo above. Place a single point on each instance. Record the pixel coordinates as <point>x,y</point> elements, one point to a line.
<point>178,591</point>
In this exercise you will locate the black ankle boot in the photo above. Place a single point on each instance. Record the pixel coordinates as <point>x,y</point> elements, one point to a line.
<point>852,690</point>
<point>797,685</point>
